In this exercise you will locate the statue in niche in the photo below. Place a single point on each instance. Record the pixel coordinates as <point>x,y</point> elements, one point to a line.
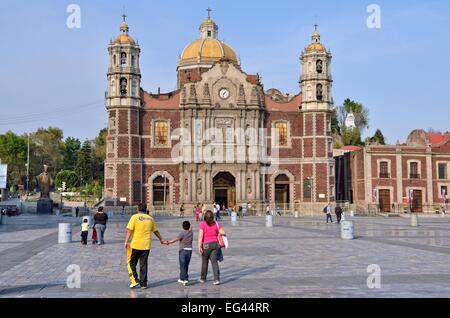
<point>199,186</point>
<point>186,186</point>
<point>249,185</point>
<point>123,86</point>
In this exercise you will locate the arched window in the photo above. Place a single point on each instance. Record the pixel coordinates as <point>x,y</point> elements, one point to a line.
<point>123,58</point>
<point>114,60</point>
<point>319,66</point>
<point>319,92</point>
<point>123,86</point>
<point>161,133</point>
<point>282,192</point>
<point>133,61</point>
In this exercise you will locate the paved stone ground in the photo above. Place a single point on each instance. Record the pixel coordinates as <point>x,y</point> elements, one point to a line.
<point>296,258</point>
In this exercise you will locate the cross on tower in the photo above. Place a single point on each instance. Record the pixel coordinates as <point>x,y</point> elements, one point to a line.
<point>209,12</point>
<point>316,26</point>
<point>124,17</point>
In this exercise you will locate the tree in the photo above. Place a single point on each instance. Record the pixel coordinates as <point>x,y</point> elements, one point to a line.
<point>49,148</point>
<point>99,155</point>
<point>13,152</point>
<point>378,138</point>
<point>71,148</point>
<point>345,135</point>
<point>69,177</point>
<point>84,163</point>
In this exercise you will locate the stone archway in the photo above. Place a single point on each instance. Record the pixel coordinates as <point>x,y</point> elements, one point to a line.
<point>224,189</point>
<point>160,186</point>
<point>282,190</point>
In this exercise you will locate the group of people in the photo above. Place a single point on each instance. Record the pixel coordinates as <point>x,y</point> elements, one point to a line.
<point>200,210</point>
<point>138,243</point>
<point>98,229</point>
<point>338,211</point>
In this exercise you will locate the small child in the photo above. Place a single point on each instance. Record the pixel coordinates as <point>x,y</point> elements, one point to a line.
<point>185,238</point>
<point>84,231</point>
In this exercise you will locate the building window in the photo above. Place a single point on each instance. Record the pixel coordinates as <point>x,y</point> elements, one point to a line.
<point>414,170</point>
<point>307,188</point>
<point>114,60</point>
<point>123,86</point>
<point>133,61</point>
<point>134,88</point>
<point>331,170</point>
<point>161,133</point>
<point>319,92</point>
<point>442,167</point>
<point>384,170</point>
<point>281,134</point>
<point>137,191</point>
<point>319,66</point>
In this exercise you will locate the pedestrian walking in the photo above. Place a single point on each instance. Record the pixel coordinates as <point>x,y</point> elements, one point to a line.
<point>140,229</point>
<point>182,210</point>
<point>77,211</point>
<point>338,211</point>
<point>240,212</point>
<point>203,212</point>
<point>208,246</point>
<point>278,211</point>
<point>268,212</point>
<point>185,239</point>
<point>84,231</point>
<point>327,211</point>
<point>100,220</point>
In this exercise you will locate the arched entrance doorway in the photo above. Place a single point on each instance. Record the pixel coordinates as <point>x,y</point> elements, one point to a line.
<point>224,190</point>
<point>282,192</point>
<point>161,192</point>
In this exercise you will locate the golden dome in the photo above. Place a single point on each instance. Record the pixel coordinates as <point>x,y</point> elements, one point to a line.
<point>317,47</point>
<point>208,50</point>
<point>124,37</point>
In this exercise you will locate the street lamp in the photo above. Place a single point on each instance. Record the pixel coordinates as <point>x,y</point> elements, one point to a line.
<point>164,195</point>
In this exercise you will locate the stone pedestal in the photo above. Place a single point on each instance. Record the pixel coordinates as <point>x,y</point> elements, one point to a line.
<point>44,206</point>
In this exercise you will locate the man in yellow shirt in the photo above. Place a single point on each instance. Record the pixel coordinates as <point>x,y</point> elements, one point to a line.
<point>140,227</point>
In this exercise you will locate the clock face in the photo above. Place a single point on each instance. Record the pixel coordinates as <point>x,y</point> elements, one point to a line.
<point>224,93</point>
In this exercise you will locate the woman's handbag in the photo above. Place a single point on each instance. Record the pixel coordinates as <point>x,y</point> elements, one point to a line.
<point>223,241</point>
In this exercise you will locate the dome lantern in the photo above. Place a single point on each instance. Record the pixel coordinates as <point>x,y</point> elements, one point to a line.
<point>209,29</point>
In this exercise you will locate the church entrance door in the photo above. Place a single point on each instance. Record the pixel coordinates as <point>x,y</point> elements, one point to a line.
<point>225,189</point>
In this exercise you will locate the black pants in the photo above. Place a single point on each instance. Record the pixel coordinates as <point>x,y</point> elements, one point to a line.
<point>142,257</point>
<point>210,254</point>
<point>339,217</point>
<point>84,236</point>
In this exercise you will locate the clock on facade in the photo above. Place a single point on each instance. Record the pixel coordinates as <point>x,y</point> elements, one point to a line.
<point>224,93</point>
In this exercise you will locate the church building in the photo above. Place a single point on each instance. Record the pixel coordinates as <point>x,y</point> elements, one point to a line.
<point>220,136</point>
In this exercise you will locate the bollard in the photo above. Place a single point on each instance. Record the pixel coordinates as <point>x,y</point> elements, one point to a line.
<point>269,221</point>
<point>347,230</point>
<point>352,213</point>
<point>414,220</point>
<point>64,233</point>
<point>74,212</point>
<point>296,214</point>
<point>233,218</point>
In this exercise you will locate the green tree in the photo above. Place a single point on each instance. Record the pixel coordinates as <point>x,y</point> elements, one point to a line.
<point>13,152</point>
<point>71,148</point>
<point>378,138</point>
<point>351,137</point>
<point>99,155</point>
<point>69,177</point>
<point>49,149</point>
<point>346,136</point>
<point>84,163</point>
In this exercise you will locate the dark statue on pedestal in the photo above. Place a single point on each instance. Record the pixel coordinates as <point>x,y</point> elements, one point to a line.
<point>45,182</point>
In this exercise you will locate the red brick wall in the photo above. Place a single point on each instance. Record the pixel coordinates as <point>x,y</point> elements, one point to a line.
<point>123,147</point>
<point>308,147</point>
<point>321,181</point>
<point>123,122</point>
<point>123,181</point>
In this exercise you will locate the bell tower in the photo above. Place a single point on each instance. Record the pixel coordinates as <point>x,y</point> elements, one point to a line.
<point>123,103</point>
<point>317,105</point>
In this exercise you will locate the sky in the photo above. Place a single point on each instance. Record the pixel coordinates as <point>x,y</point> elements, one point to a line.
<point>52,75</point>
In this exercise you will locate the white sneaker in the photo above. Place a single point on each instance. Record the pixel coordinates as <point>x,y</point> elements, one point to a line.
<point>216,282</point>
<point>181,281</point>
<point>186,282</point>
<point>133,286</point>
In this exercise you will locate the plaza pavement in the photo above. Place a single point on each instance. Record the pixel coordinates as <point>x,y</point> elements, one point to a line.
<point>301,257</point>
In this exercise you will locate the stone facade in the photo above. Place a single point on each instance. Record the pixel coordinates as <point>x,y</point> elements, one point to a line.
<point>219,136</point>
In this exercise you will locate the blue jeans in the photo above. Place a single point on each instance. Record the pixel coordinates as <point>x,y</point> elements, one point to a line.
<point>100,228</point>
<point>185,259</point>
<point>329,218</point>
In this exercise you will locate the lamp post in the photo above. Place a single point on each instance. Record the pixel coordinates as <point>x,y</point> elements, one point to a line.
<point>164,195</point>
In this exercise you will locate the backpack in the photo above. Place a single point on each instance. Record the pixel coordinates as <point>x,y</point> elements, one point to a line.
<point>325,209</point>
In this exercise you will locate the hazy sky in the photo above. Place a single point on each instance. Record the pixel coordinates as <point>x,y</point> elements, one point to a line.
<point>55,76</point>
